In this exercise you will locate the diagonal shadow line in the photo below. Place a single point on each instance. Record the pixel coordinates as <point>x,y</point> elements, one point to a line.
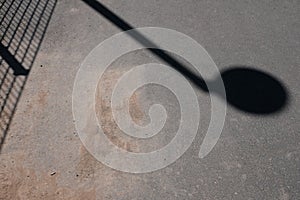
<point>125,26</point>
<point>12,61</point>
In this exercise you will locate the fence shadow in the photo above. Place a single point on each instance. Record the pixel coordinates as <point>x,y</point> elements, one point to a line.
<point>23,24</point>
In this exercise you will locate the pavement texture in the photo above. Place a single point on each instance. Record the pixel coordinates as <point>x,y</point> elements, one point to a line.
<point>42,157</point>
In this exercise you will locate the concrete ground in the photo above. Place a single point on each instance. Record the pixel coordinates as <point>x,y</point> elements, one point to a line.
<point>42,157</point>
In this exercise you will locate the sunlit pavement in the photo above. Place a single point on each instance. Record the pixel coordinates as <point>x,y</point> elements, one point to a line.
<point>257,155</point>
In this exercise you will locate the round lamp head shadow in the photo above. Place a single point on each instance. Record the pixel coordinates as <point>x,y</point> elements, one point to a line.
<point>253,91</point>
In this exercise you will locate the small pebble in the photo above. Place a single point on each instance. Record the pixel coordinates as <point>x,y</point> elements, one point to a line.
<point>52,173</point>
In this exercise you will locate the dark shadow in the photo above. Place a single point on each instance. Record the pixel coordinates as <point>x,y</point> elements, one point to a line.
<point>12,62</point>
<point>247,89</point>
<point>253,91</point>
<point>22,28</point>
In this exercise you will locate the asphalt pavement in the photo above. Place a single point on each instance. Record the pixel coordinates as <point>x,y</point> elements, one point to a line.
<point>254,44</point>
